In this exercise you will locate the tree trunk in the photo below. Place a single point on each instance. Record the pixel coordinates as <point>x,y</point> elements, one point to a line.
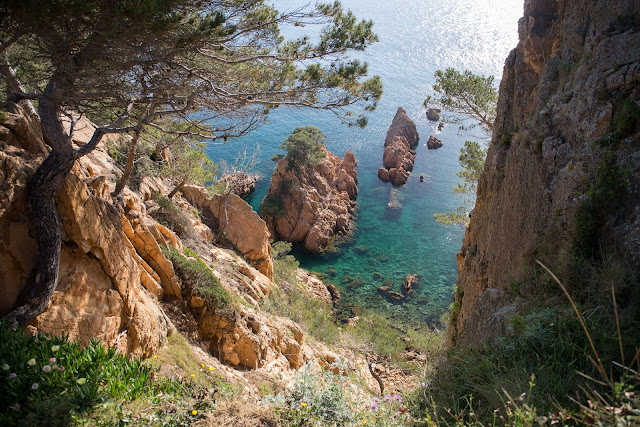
<point>131,157</point>
<point>45,186</point>
<point>178,187</point>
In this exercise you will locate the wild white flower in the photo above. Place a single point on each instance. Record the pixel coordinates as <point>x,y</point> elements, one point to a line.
<point>46,368</point>
<point>81,381</point>
<point>5,367</point>
<point>35,386</point>
<point>31,362</point>
<point>55,348</point>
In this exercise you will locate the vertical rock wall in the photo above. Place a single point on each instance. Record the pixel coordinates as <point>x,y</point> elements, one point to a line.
<point>563,91</point>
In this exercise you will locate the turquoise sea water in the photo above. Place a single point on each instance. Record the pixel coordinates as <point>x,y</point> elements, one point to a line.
<point>417,37</point>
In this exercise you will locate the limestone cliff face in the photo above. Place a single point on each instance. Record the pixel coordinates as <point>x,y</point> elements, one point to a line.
<point>312,204</point>
<point>565,93</point>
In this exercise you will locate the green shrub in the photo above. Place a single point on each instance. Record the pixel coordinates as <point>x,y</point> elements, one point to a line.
<point>145,164</point>
<point>197,277</point>
<point>272,207</point>
<point>285,267</point>
<point>625,121</point>
<point>305,147</point>
<point>45,379</point>
<point>315,399</point>
<point>603,195</point>
<point>172,217</point>
<point>549,344</point>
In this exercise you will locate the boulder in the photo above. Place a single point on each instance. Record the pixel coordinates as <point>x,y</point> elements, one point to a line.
<point>433,143</point>
<point>241,183</point>
<point>389,294</point>
<point>398,176</point>
<point>313,203</point>
<point>433,114</point>
<point>410,282</point>
<point>383,174</point>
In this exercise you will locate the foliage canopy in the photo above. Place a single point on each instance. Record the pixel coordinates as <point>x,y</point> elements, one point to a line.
<point>472,157</point>
<point>474,97</point>
<point>305,146</point>
<point>465,93</point>
<point>218,66</point>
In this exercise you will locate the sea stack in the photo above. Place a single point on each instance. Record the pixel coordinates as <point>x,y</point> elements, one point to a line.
<point>399,153</point>
<point>433,143</point>
<point>313,203</point>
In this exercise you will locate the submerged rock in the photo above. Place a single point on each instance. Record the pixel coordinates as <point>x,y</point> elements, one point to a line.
<point>409,283</point>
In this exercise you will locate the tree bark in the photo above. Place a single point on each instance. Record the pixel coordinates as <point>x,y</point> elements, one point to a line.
<point>45,186</point>
<point>177,188</point>
<point>131,157</point>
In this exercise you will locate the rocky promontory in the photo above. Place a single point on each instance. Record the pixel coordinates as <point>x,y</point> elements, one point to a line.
<point>399,153</point>
<point>241,184</point>
<point>312,203</point>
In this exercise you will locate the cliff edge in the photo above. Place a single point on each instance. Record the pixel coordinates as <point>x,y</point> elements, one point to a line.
<point>561,181</point>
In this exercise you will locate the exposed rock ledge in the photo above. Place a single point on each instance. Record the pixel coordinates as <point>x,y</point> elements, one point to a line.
<point>312,204</point>
<point>242,226</point>
<point>399,153</point>
<point>242,184</point>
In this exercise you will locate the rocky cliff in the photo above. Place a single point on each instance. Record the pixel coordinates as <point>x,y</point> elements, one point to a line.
<point>562,175</point>
<point>311,204</point>
<point>128,280</point>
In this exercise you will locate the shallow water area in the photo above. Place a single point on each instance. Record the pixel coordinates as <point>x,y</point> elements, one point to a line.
<point>416,39</point>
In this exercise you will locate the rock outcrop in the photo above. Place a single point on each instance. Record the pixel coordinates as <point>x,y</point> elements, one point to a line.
<point>433,143</point>
<point>241,183</point>
<point>99,292</point>
<point>243,228</point>
<point>565,116</point>
<point>311,204</point>
<point>433,114</point>
<point>399,153</point>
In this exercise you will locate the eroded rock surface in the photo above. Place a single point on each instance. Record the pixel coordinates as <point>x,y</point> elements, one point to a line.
<point>99,292</point>
<point>433,143</point>
<point>242,184</point>
<point>399,152</point>
<point>242,226</point>
<point>575,68</point>
<point>313,203</point>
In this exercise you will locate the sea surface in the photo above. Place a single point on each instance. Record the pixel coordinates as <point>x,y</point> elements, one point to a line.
<point>417,37</point>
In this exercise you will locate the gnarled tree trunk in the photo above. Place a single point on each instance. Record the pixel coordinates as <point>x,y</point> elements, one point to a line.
<point>45,186</point>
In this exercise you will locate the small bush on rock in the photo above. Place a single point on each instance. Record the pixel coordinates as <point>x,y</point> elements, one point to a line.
<point>197,277</point>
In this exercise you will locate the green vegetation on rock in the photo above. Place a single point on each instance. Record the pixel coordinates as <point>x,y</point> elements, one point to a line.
<point>305,146</point>
<point>197,277</point>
